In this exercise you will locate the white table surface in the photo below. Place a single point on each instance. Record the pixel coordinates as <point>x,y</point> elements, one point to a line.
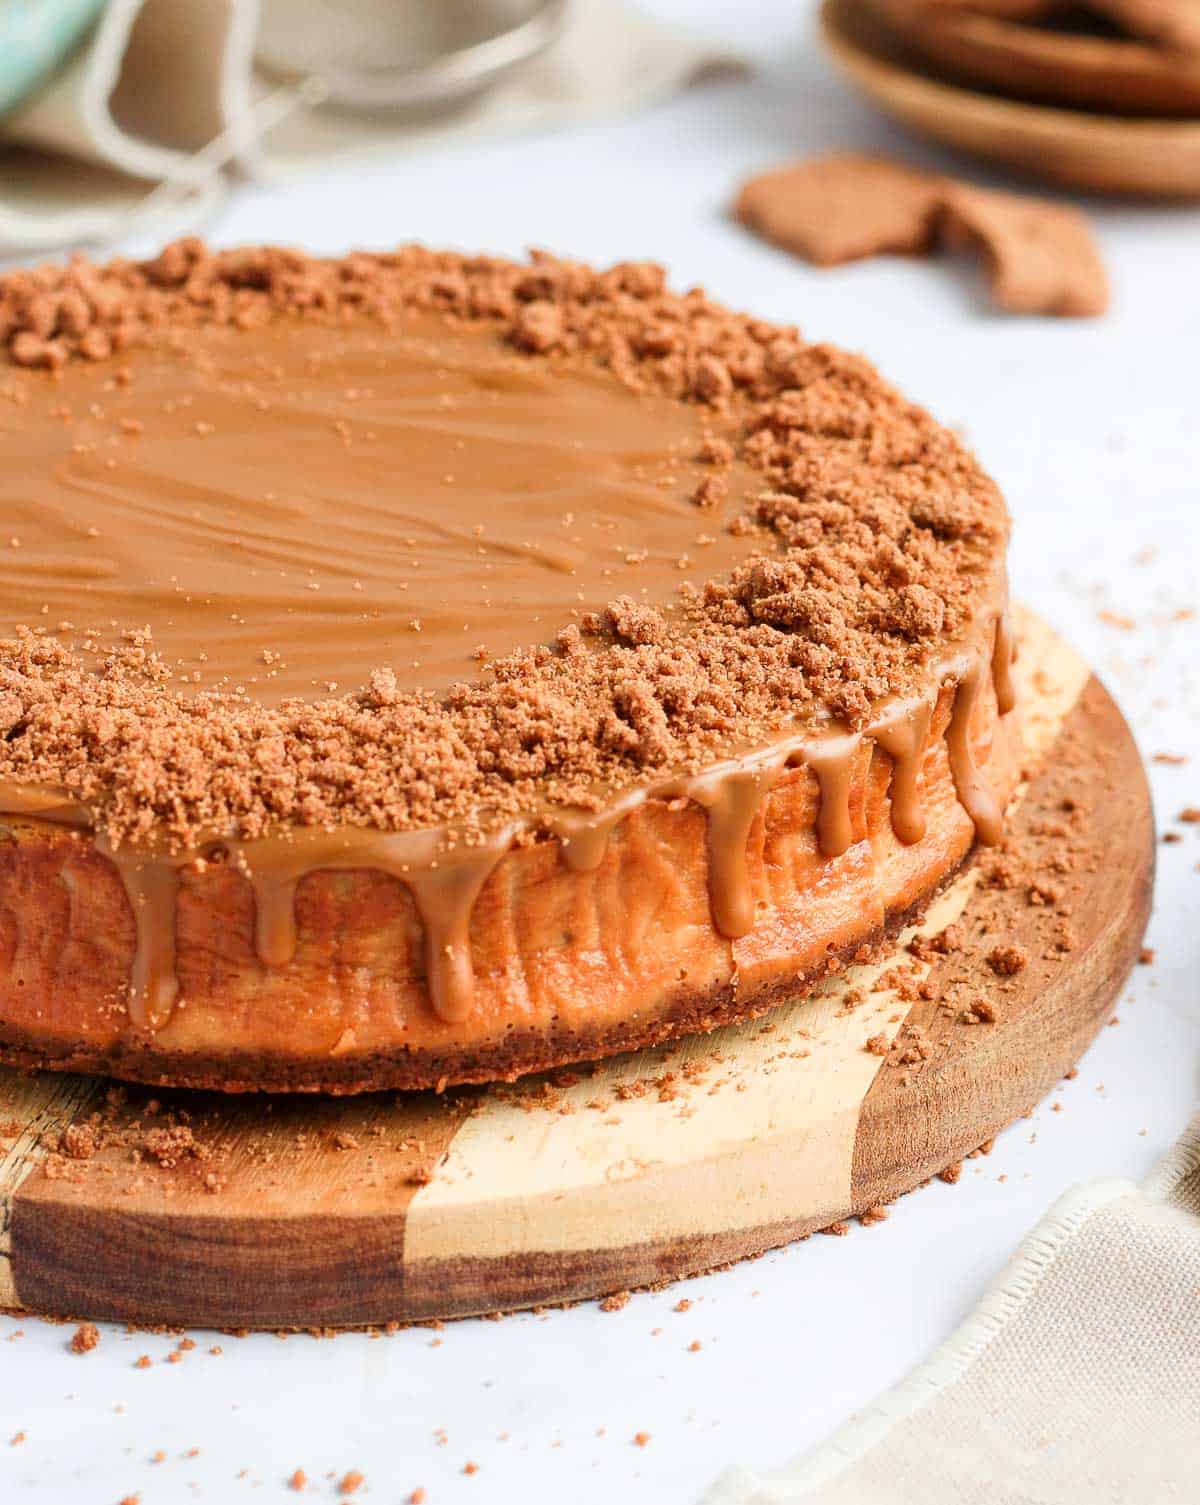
<point>1091,428</point>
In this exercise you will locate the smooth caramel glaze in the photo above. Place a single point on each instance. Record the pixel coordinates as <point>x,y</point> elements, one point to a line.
<point>289,513</point>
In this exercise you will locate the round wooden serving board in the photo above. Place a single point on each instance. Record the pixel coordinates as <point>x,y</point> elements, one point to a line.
<point>1146,156</point>
<point>303,1212</point>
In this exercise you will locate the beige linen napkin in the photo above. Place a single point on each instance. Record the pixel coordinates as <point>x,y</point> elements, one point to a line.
<point>1077,1378</point>
<point>160,79</point>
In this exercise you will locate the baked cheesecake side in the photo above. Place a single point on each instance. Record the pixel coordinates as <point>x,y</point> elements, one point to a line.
<point>567,966</point>
<point>426,669</point>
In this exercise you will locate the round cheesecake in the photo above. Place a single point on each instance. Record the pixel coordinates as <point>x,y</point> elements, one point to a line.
<point>420,668</point>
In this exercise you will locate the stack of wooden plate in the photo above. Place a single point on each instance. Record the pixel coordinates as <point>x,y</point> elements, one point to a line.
<point>1058,91</point>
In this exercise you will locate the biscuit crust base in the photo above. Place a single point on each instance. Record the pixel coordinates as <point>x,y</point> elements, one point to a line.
<point>569,966</point>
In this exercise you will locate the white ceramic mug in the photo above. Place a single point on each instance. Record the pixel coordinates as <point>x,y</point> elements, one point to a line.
<point>376,53</point>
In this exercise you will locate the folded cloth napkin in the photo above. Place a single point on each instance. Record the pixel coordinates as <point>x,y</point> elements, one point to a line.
<point>1077,1378</point>
<point>158,81</point>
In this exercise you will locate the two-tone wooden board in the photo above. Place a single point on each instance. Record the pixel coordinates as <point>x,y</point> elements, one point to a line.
<point>201,1210</point>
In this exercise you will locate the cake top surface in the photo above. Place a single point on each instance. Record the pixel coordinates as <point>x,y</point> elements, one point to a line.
<point>417,538</point>
<point>290,510</point>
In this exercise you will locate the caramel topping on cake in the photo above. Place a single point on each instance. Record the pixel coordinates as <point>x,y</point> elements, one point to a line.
<point>287,512</point>
<point>395,561</point>
<point>872,540</point>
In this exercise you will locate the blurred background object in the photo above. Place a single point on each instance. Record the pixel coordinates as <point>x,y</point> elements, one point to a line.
<point>1074,101</point>
<point>161,95</point>
<point>404,54</point>
<point>35,36</point>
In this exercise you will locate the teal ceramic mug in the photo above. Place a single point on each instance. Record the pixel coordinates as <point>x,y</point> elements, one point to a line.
<point>35,37</point>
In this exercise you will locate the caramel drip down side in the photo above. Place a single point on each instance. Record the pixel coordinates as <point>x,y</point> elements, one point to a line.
<point>445,897</point>
<point>446,881</point>
<point>583,835</point>
<point>1004,653</point>
<point>972,789</point>
<point>833,765</point>
<point>731,799</point>
<point>151,884</point>
<point>273,870</point>
<point>275,918</point>
<point>903,738</point>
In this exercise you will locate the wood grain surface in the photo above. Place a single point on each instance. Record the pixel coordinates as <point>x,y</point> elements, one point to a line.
<point>1151,157</point>
<point>190,1208</point>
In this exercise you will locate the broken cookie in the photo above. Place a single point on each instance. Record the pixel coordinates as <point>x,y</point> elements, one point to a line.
<point>1040,256</point>
<point>843,208</point>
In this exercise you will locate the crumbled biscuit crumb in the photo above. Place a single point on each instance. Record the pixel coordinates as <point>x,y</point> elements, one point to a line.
<point>1007,961</point>
<point>86,1338</point>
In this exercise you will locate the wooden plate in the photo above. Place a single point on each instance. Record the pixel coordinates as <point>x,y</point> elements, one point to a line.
<point>1109,74</point>
<point>1112,154</point>
<point>303,1212</point>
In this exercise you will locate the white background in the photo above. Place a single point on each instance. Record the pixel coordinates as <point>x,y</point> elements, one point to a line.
<point>1091,428</point>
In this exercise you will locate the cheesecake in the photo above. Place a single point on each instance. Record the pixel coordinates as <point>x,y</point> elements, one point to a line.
<point>421,668</point>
